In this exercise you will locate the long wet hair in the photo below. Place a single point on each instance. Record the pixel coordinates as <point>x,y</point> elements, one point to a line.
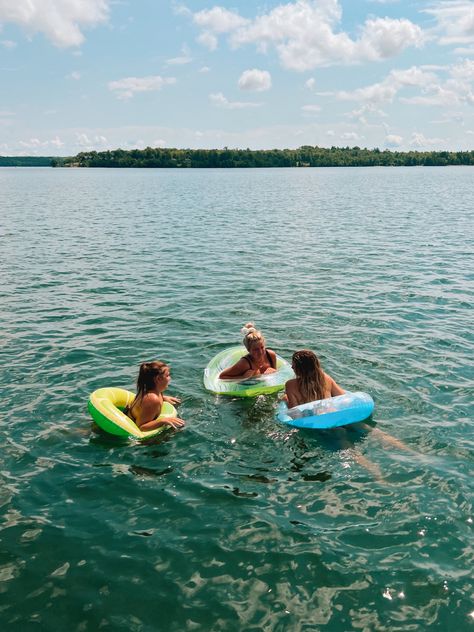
<point>146,378</point>
<point>311,380</point>
<point>251,335</point>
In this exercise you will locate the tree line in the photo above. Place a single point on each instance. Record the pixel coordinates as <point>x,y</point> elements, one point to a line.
<point>306,156</point>
<point>26,161</point>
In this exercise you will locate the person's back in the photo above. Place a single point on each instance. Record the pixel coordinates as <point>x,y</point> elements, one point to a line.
<point>145,410</point>
<point>311,382</point>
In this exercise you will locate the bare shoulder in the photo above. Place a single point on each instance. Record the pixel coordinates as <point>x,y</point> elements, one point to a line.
<point>235,370</point>
<point>334,386</point>
<point>243,361</point>
<point>291,384</point>
<point>151,398</point>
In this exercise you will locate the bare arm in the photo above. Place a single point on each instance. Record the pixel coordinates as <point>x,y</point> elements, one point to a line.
<point>149,415</point>
<point>273,358</point>
<point>335,388</point>
<point>291,393</point>
<point>174,422</point>
<point>239,369</point>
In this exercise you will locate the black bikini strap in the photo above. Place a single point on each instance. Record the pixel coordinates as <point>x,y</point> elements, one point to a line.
<point>270,360</point>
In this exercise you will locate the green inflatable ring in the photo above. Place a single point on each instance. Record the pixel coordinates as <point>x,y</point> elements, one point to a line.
<point>106,407</point>
<point>251,387</point>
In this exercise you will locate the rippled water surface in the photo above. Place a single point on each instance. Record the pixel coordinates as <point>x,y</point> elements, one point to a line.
<point>237,523</point>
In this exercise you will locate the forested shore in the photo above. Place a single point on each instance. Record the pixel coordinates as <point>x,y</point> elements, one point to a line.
<point>26,161</point>
<point>306,156</point>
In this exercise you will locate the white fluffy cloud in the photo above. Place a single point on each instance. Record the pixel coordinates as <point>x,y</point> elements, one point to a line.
<point>36,143</point>
<point>219,100</point>
<point>385,37</point>
<point>386,90</point>
<point>56,142</point>
<point>455,21</point>
<point>126,88</point>
<point>208,40</point>
<point>368,109</point>
<point>219,20</point>
<point>419,140</point>
<point>305,34</point>
<point>180,60</point>
<point>438,95</point>
<point>85,142</point>
<point>464,70</point>
<point>458,89</point>
<point>216,20</point>
<point>383,92</point>
<point>255,80</point>
<point>393,140</point>
<point>351,136</point>
<point>60,20</point>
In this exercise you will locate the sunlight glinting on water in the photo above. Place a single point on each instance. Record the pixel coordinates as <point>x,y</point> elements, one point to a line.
<point>237,522</point>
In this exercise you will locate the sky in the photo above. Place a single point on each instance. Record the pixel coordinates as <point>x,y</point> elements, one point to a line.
<point>81,75</point>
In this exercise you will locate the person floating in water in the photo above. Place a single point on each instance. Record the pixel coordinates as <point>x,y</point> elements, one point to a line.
<point>311,382</point>
<point>153,379</point>
<point>258,361</point>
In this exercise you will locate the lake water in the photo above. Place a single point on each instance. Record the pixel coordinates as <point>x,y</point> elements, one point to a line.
<point>237,522</point>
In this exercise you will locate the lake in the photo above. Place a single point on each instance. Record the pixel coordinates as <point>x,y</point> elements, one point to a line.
<point>237,522</point>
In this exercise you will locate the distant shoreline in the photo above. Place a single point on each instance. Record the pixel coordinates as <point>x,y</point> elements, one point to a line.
<point>306,156</point>
<point>26,161</point>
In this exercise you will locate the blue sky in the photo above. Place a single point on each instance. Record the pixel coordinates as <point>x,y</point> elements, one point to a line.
<point>100,74</point>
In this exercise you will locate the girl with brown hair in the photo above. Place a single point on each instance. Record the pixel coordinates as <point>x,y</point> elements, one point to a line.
<point>311,382</point>
<point>153,379</point>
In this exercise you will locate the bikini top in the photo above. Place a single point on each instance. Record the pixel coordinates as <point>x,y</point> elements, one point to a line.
<point>128,411</point>
<point>269,358</point>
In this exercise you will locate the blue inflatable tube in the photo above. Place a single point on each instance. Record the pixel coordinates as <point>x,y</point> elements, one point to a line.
<point>328,413</point>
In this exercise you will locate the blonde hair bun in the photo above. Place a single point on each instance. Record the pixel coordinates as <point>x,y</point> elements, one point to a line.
<point>251,335</point>
<point>248,329</point>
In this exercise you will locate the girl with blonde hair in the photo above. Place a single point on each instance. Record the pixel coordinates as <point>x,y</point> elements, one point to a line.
<point>153,379</point>
<point>311,382</point>
<point>258,361</point>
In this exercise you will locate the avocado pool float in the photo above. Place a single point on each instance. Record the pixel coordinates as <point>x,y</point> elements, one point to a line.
<point>106,407</point>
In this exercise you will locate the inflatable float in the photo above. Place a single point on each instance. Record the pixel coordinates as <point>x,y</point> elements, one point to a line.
<point>328,413</point>
<point>106,407</point>
<point>249,387</point>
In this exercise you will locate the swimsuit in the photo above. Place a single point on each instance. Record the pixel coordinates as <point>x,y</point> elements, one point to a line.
<point>127,411</point>
<point>269,358</point>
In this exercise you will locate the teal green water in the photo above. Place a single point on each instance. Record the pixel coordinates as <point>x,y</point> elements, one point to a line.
<point>237,523</point>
